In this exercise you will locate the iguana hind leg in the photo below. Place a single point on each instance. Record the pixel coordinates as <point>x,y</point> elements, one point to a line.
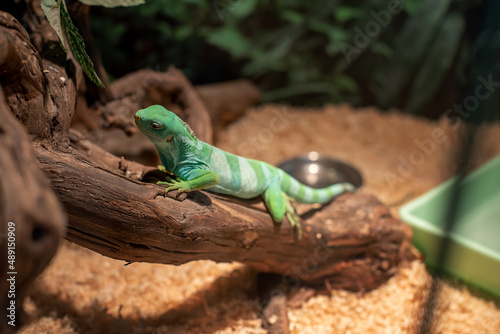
<point>279,205</point>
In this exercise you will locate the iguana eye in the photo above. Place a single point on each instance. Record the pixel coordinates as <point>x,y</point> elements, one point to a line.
<point>156,125</point>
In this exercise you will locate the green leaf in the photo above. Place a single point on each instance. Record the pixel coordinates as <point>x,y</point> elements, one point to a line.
<point>272,60</point>
<point>182,32</point>
<point>52,11</point>
<point>293,17</point>
<point>230,40</point>
<point>113,3</point>
<point>345,13</point>
<point>321,26</point>
<point>382,49</point>
<point>335,37</point>
<point>347,83</point>
<point>410,7</point>
<point>438,61</point>
<point>77,46</point>
<point>197,2</point>
<point>242,9</point>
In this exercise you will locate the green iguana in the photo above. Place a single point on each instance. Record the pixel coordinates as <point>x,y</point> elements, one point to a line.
<point>198,165</point>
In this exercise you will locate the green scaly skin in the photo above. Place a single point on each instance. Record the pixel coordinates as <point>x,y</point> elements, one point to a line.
<point>198,165</point>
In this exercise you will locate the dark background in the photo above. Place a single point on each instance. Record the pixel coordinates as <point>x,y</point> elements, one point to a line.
<point>418,55</point>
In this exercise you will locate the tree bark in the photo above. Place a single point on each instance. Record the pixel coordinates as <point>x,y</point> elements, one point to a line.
<point>354,240</point>
<point>32,219</point>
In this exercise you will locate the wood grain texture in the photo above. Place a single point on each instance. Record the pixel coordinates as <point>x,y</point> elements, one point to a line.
<point>354,242</point>
<point>29,210</point>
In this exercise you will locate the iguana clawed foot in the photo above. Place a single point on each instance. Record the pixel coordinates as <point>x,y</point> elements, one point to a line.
<point>177,184</point>
<point>173,184</point>
<point>293,218</point>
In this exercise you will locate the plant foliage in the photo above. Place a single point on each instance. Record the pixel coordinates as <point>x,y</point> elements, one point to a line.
<point>58,17</point>
<point>113,3</point>
<point>387,53</point>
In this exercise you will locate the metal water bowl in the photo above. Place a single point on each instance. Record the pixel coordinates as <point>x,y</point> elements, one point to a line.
<point>318,171</point>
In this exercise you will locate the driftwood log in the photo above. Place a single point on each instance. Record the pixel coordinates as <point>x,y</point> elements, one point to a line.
<point>352,243</point>
<point>32,219</point>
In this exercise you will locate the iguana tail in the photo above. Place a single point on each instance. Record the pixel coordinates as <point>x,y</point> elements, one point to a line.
<point>304,194</point>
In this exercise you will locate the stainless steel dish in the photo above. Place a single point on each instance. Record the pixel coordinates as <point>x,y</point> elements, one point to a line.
<point>319,171</point>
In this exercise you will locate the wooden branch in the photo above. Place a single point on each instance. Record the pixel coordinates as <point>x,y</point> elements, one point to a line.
<point>26,199</point>
<point>40,92</point>
<point>36,217</point>
<point>354,241</point>
<point>20,63</point>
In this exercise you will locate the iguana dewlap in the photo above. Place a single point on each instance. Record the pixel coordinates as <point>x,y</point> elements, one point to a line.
<point>198,165</point>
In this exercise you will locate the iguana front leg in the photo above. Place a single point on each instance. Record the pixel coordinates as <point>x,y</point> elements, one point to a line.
<point>196,180</point>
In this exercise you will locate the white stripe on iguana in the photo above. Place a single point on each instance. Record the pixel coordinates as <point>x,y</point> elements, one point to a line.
<point>322,196</point>
<point>294,187</point>
<point>248,177</point>
<point>218,163</point>
<point>266,171</point>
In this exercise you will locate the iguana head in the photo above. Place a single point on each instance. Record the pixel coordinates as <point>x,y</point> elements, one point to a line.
<point>161,125</point>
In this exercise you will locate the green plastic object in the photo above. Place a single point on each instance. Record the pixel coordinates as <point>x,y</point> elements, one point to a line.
<point>474,249</point>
